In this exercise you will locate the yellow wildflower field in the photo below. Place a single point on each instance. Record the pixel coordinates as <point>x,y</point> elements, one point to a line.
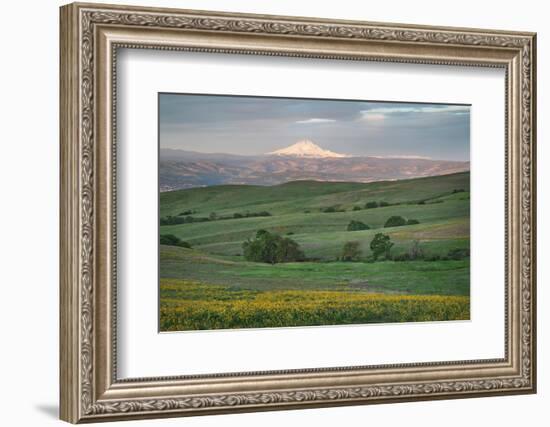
<point>188,305</point>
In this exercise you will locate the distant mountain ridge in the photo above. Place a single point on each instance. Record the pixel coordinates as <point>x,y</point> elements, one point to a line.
<point>301,161</point>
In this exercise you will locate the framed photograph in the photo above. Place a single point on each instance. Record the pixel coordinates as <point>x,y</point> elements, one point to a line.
<point>265,212</point>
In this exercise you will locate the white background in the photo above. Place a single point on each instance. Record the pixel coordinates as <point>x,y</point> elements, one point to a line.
<point>145,353</point>
<point>29,171</point>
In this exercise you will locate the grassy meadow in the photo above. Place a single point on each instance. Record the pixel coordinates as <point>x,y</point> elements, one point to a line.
<point>210,284</point>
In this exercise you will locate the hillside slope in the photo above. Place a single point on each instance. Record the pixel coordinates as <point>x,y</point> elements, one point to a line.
<point>440,204</point>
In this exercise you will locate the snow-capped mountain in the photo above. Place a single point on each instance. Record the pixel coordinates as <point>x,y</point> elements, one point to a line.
<point>306,149</point>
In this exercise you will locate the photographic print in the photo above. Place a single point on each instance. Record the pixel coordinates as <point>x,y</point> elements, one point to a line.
<point>285,212</point>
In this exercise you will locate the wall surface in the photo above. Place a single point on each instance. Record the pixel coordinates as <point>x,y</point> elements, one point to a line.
<point>29,170</point>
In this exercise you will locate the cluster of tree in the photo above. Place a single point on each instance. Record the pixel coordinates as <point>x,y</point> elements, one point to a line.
<point>398,221</point>
<point>175,220</point>
<point>373,204</point>
<point>432,200</point>
<point>381,244</point>
<point>272,248</point>
<point>332,209</point>
<point>357,225</point>
<point>415,253</point>
<point>455,254</point>
<point>383,204</point>
<point>436,199</point>
<point>237,215</point>
<point>171,240</point>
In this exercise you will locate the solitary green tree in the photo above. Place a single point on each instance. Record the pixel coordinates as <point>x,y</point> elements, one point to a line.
<point>262,248</point>
<point>351,251</point>
<point>272,248</point>
<point>380,244</point>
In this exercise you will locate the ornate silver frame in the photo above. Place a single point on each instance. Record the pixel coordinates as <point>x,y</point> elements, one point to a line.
<point>90,36</point>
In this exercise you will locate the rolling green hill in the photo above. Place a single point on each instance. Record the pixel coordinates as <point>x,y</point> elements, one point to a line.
<point>212,286</point>
<point>297,196</point>
<point>296,209</point>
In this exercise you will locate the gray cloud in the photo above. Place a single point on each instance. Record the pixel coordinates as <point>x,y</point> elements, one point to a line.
<point>257,125</point>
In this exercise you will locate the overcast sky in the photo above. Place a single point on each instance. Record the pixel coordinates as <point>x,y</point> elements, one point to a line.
<point>257,125</point>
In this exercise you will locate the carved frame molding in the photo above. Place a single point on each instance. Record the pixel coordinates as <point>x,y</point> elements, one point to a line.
<point>90,36</point>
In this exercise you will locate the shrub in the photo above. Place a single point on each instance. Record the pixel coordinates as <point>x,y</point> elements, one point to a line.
<point>196,219</point>
<point>357,225</point>
<point>351,251</point>
<point>422,202</point>
<point>187,212</point>
<point>172,220</point>
<point>435,257</point>
<point>260,233</point>
<point>171,240</point>
<point>307,211</point>
<point>458,254</point>
<point>290,233</point>
<point>356,208</point>
<point>371,205</point>
<point>395,221</point>
<point>331,209</point>
<point>176,220</point>
<point>458,190</point>
<point>238,215</point>
<point>287,250</point>
<point>412,222</point>
<point>384,204</point>
<point>401,257</point>
<point>415,251</point>
<point>213,216</point>
<point>272,248</point>
<point>381,244</point>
